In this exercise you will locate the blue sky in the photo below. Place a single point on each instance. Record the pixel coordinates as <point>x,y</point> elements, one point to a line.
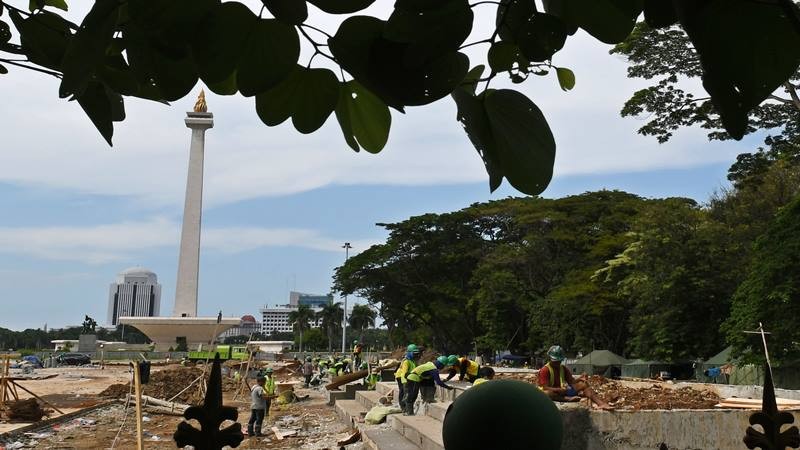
<point>278,204</point>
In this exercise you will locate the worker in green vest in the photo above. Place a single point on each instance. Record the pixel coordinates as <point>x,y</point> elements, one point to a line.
<point>557,382</point>
<point>260,399</point>
<point>406,366</point>
<point>424,376</point>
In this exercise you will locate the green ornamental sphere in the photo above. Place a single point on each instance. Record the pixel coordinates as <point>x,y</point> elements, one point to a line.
<point>503,414</point>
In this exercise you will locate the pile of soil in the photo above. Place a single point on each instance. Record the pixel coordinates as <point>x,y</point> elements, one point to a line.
<point>165,384</point>
<point>427,355</point>
<point>655,396</point>
<point>27,410</point>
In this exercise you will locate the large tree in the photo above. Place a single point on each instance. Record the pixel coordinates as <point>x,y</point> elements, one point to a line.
<point>770,294</point>
<point>158,49</point>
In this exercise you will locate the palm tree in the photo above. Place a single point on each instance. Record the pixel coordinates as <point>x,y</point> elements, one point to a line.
<point>331,317</point>
<point>361,318</point>
<point>299,319</point>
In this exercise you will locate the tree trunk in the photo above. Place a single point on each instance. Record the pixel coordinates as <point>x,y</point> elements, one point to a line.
<point>301,340</point>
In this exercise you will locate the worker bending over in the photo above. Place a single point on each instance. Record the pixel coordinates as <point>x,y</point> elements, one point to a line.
<point>486,374</point>
<point>558,383</point>
<point>406,366</point>
<point>465,368</point>
<point>423,378</point>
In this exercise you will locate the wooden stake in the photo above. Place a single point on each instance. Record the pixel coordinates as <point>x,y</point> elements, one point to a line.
<point>138,387</point>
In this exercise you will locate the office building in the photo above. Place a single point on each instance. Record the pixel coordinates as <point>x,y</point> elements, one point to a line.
<point>136,293</point>
<point>313,300</point>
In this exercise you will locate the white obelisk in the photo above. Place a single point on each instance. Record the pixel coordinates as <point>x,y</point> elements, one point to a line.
<point>189,260</point>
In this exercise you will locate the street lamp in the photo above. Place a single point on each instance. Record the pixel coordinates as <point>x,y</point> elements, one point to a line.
<point>346,248</point>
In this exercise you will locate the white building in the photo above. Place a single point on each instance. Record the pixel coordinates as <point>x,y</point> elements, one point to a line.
<point>136,293</point>
<point>277,320</point>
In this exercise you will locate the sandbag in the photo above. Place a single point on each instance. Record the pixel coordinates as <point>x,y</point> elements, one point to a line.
<point>378,413</point>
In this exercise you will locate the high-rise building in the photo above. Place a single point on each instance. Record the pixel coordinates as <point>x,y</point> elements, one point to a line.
<point>313,300</point>
<point>136,293</point>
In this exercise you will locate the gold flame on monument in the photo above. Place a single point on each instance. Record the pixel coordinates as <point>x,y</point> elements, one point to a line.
<point>200,105</point>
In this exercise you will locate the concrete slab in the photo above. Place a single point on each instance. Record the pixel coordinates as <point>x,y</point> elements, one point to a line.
<point>368,398</point>
<point>423,431</point>
<point>438,410</point>
<point>386,439</point>
<point>336,395</point>
<point>350,411</point>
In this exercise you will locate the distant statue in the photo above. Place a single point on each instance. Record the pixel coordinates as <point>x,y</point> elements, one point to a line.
<point>89,325</point>
<point>200,105</point>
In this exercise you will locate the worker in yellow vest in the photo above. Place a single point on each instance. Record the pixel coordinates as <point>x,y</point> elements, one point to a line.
<point>406,366</point>
<point>465,368</point>
<point>424,376</point>
<point>557,382</point>
<point>486,374</point>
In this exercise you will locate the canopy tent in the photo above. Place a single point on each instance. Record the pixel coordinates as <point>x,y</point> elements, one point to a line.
<point>640,368</point>
<point>598,362</point>
<point>717,361</point>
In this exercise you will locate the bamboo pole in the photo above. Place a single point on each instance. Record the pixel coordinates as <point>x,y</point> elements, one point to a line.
<point>138,387</point>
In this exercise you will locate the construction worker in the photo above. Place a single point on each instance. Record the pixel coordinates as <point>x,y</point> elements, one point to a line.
<point>486,374</point>
<point>308,370</point>
<point>465,367</point>
<point>346,366</point>
<point>260,398</point>
<point>406,366</point>
<point>356,354</point>
<point>423,377</point>
<point>557,381</point>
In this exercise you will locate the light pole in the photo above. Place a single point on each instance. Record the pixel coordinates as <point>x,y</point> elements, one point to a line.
<point>346,248</point>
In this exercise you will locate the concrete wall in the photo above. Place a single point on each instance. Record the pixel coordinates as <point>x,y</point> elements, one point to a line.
<point>647,430</point>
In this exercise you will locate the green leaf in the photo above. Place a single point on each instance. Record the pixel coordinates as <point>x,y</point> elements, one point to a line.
<point>341,6</point>
<point>512,16</point>
<point>609,21</point>
<point>472,116</point>
<point>308,96</point>
<point>542,36</point>
<point>88,47</point>
<point>117,75</point>
<point>218,49</point>
<point>170,70</point>
<point>470,82</point>
<point>434,27</point>
<point>742,64</point>
<point>60,4</point>
<point>44,37</point>
<point>5,32</point>
<point>290,12</point>
<point>269,56</point>
<point>226,87</point>
<point>659,13</point>
<point>524,143</point>
<point>33,5</point>
<point>502,56</point>
<point>566,78</point>
<point>365,120</point>
<point>103,108</point>
<point>3,69</point>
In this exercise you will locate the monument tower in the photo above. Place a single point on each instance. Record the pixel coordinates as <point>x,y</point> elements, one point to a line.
<point>189,260</point>
<point>184,325</point>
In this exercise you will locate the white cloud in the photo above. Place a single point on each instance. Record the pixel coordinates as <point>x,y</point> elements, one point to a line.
<point>49,142</point>
<point>117,242</point>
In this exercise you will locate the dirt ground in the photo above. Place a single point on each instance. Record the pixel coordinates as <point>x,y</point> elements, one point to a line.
<point>114,426</point>
<point>640,395</point>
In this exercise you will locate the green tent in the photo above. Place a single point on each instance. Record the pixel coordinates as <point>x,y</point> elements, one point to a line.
<point>598,362</point>
<point>718,360</point>
<point>640,368</point>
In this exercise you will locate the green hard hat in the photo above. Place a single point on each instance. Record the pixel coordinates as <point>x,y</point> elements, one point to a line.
<point>268,370</point>
<point>556,353</point>
<point>452,360</point>
<point>442,360</point>
<point>355,342</point>
<point>308,358</point>
<point>412,348</point>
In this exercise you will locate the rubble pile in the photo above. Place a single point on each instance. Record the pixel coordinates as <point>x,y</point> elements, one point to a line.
<point>27,410</point>
<point>530,377</point>
<point>167,383</point>
<point>655,396</point>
